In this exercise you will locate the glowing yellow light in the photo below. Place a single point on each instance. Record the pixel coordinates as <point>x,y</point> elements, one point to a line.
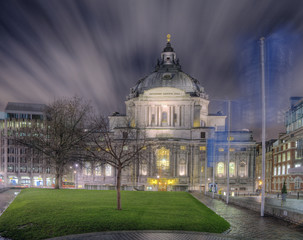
<point>144,148</point>
<point>182,147</point>
<point>260,182</point>
<point>221,149</point>
<point>202,148</point>
<point>168,37</point>
<point>231,149</point>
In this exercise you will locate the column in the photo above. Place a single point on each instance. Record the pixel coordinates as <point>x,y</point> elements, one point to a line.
<point>169,116</point>
<point>157,115</point>
<point>146,120</point>
<point>179,116</point>
<point>172,116</point>
<point>160,115</point>
<point>149,115</point>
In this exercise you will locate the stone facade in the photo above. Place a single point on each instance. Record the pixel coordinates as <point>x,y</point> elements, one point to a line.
<point>172,109</point>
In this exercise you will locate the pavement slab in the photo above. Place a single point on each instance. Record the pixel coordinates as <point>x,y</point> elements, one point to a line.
<point>248,224</point>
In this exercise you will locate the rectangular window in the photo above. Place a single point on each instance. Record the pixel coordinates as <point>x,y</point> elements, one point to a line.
<point>202,135</point>
<point>289,145</point>
<point>275,159</point>
<point>279,158</point>
<point>279,170</point>
<point>275,171</point>
<point>284,157</point>
<point>182,147</point>
<point>288,167</point>
<point>288,155</point>
<point>283,170</point>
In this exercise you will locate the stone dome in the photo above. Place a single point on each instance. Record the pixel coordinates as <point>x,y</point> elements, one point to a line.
<point>168,73</point>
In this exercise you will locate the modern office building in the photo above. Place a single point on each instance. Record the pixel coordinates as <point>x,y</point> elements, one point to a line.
<point>19,165</point>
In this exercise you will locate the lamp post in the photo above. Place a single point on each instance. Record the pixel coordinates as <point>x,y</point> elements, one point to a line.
<point>262,39</point>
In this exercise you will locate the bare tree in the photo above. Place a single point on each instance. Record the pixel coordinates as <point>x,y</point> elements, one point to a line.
<point>118,148</point>
<point>61,137</point>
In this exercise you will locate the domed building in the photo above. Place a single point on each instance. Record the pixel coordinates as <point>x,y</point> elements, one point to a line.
<point>171,107</point>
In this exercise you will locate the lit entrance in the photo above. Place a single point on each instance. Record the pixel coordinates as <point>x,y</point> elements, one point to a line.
<point>162,184</point>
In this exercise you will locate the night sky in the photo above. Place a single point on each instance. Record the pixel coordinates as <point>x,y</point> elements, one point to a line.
<point>99,49</point>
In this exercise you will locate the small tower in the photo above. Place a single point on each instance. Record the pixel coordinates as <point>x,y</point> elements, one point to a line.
<point>168,56</point>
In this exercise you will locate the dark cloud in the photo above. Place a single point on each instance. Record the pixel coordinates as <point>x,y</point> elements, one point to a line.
<point>99,49</point>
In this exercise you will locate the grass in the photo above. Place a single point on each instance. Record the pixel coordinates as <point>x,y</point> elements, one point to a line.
<point>46,213</point>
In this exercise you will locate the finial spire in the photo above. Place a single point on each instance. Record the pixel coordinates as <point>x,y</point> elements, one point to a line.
<point>168,37</point>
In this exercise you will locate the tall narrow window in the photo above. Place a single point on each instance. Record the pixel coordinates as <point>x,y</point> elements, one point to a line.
<point>242,169</point>
<point>182,168</point>
<point>87,169</point>
<point>164,117</point>
<point>108,170</point>
<point>220,169</point>
<point>144,168</point>
<point>232,169</point>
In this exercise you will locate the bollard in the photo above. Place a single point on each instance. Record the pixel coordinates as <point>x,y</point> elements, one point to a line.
<point>298,195</point>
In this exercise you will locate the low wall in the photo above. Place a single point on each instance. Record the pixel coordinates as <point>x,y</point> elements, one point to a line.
<point>283,212</point>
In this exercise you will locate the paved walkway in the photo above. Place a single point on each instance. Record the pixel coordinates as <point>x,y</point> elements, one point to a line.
<point>247,224</point>
<point>6,197</point>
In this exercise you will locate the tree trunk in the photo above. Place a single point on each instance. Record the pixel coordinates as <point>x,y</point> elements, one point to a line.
<point>58,181</point>
<point>119,188</point>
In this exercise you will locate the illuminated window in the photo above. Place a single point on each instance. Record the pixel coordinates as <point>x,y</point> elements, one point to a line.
<point>202,148</point>
<point>275,171</point>
<point>279,170</point>
<point>232,169</point>
<point>297,165</point>
<point>283,169</point>
<point>87,169</point>
<point>125,148</point>
<point>182,147</point>
<point>288,155</point>
<point>288,167</point>
<point>289,145</point>
<point>220,169</point>
<point>221,149</point>
<point>182,168</point>
<point>163,158</point>
<point>275,159</point>
<point>279,158</point>
<point>108,170</point>
<point>231,149</point>
<point>283,157</point>
<point>230,138</point>
<point>98,171</point>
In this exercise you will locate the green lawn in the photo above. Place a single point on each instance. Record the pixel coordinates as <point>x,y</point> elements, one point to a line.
<point>45,213</point>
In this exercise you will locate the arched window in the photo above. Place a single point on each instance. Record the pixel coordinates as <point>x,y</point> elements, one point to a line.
<point>98,171</point>
<point>163,158</point>
<point>220,169</point>
<point>182,167</point>
<point>232,169</point>
<point>242,169</point>
<point>87,169</point>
